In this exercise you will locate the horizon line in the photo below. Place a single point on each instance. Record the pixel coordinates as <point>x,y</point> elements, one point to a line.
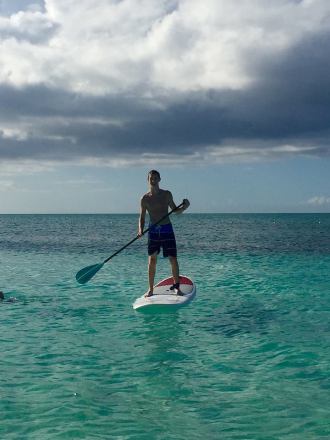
<point>188,213</point>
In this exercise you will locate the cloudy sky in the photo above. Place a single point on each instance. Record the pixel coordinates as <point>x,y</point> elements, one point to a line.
<point>229,100</point>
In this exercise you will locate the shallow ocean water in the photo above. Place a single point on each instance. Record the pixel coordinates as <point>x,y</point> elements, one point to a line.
<point>249,358</point>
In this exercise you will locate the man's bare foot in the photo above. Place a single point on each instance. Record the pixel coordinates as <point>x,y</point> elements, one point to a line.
<point>149,293</point>
<point>176,289</point>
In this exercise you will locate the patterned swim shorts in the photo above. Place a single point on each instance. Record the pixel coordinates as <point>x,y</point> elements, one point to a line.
<point>162,236</point>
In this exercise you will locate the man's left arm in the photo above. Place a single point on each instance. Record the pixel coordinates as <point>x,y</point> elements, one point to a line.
<point>172,205</point>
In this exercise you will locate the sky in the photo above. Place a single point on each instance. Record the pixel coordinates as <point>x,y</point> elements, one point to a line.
<point>229,101</point>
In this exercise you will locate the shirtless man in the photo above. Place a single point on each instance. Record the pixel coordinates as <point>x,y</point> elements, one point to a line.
<point>156,202</point>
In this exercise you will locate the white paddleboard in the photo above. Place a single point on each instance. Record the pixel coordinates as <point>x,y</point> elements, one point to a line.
<point>164,298</point>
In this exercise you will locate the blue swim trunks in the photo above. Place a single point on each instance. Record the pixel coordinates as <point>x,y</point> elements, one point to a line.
<point>162,236</point>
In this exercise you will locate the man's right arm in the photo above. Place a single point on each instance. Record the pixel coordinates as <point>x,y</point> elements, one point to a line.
<point>142,217</point>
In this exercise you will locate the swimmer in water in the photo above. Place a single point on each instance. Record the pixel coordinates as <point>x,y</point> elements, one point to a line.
<point>11,299</point>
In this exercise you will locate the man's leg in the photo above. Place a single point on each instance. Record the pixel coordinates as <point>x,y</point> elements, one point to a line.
<point>151,272</point>
<point>175,268</point>
<point>176,275</point>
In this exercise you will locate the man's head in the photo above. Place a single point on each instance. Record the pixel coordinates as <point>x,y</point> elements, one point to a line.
<point>153,177</point>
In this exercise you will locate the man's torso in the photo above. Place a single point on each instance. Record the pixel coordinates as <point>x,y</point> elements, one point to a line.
<point>157,205</point>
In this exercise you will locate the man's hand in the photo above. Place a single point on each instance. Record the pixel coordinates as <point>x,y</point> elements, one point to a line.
<point>186,204</point>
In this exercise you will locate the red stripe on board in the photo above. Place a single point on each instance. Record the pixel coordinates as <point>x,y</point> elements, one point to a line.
<point>169,282</point>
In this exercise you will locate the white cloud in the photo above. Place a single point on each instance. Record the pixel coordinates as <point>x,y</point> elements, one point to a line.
<point>16,168</point>
<point>13,132</point>
<point>32,26</point>
<point>319,200</point>
<point>214,154</point>
<point>246,152</point>
<point>7,185</point>
<point>103,46</point>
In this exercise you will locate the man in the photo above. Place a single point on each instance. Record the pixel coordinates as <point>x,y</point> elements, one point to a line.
<point>156,202</point>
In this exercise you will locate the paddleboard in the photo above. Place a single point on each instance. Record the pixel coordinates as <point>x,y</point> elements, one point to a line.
<point>164,298</point>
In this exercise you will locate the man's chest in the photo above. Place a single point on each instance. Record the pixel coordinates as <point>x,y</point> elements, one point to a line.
<point>156,202</point>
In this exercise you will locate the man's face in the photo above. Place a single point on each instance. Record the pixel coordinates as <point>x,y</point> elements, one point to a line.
<point>153,178</point>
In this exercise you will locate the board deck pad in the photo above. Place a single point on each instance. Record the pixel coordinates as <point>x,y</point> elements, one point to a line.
<point>165,298</point>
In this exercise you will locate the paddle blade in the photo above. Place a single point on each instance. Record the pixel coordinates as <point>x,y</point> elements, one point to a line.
<point>87,273</point>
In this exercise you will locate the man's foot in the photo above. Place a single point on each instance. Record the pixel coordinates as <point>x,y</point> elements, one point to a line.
<point>176,288</point>
<point>149,293</point>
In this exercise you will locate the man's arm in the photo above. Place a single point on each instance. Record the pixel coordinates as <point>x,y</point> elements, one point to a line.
<point>172,205</point>
<point>142,217</point>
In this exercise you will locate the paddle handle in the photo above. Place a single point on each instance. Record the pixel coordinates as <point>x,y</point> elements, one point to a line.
<point>144,232</point>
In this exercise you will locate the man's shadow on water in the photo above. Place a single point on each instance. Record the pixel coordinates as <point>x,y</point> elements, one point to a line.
<point>247,317</point>
<point>163,335</point>
<point>162,330</point>
<point>166,356</point>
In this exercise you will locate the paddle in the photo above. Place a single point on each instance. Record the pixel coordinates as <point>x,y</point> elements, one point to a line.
<point>85,274</point>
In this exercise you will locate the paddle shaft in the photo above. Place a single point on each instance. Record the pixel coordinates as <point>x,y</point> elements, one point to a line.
<point>144,232</point>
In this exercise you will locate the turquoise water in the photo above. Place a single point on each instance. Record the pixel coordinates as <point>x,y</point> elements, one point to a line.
<point>249,358</point>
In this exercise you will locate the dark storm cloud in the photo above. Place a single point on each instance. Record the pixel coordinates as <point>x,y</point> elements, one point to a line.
<point>293,92</point>
<point>288,103</point>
